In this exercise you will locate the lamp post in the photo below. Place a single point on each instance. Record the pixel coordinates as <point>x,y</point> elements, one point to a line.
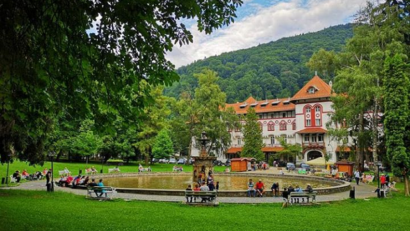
<point>8,165</point>
<point>51,156</point>
<point>102,164</point>
<point>379,164</point>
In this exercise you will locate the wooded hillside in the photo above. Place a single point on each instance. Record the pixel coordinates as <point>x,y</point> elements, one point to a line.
<point>275,69</point>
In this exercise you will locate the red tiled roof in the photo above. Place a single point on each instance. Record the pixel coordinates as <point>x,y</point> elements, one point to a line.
<point>312,130</point>
<point>234,150</point>
<point>242,159</point>
<point>272,149</point>
<point>268,107</point>
<point>345,149</point>
<point>322,90</point>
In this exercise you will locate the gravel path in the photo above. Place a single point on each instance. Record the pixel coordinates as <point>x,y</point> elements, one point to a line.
<point>362,191</point>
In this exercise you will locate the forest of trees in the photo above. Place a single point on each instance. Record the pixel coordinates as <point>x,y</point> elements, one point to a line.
<point>275,69</point>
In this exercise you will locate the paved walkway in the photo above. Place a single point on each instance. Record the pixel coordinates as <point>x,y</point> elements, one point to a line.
<point>362,191</point>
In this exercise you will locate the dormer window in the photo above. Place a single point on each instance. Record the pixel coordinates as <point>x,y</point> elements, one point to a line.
<point>312,90</point>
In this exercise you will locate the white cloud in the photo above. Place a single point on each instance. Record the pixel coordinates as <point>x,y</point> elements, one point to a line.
<point>267,24</point>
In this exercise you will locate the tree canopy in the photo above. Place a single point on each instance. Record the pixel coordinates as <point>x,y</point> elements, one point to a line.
<point>84,57</point>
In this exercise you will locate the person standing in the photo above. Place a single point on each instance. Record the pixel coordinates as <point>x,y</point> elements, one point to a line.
<point>210,180</point>
<point>48,181</point>
<point>357,176</point>
<point>189,198</point>
<point>382,180</point>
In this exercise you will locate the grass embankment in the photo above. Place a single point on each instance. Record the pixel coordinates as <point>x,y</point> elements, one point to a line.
<point>75,167</point>
<point>35,210</point>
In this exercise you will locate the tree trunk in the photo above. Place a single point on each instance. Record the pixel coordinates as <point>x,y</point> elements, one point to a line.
<point>375,131</point>
<point>406,186</point>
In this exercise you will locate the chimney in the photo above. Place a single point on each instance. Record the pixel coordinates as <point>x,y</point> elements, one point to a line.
<point>315,73</point>
<point>330,84</point>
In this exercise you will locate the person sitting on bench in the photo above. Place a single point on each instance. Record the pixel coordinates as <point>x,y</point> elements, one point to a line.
<point>101,184</point>
<point>204,188</point>
<point>93,184</point>
<point>259,188</point>
<point>17,176</point>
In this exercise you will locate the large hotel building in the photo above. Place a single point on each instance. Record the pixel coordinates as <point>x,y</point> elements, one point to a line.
<point>300,119</point>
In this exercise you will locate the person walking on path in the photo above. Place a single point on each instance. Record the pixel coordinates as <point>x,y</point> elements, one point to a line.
<point>48,181</point>
<point>357,176</point>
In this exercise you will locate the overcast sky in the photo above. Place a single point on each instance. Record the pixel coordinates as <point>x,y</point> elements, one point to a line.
<point>262,21</point>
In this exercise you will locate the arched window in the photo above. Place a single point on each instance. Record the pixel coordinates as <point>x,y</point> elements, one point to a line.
<point>294,125</point>
<point>308,116</point>
<point>283,125</point>
<point>271,126</point>
<point>318,116</point>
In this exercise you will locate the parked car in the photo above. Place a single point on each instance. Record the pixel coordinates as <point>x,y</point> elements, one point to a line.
<point>162,161</point>
<point>290,166</point>
<point>305,166</point>
<point>191,161</point>
<point>172,161</point>
<point>181,161</point>
<point>218,163</point>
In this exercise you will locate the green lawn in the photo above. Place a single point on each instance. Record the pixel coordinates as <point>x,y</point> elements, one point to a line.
<point>35,210</point>
<point>75,167</point>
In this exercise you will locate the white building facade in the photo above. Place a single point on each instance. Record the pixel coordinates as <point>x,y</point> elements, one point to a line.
<point>301,119</point>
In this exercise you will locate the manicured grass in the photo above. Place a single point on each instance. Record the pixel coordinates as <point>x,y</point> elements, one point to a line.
<point>35,210</point>
<point>75,167</point>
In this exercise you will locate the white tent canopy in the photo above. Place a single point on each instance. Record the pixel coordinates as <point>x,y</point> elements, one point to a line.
<point>319,162</point>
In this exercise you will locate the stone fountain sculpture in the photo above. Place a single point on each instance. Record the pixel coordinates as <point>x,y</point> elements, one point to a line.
<point>203,165</point>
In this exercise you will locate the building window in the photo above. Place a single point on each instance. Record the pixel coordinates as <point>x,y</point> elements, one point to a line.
<point>271,126</point>
<point>284,114</point>
<point>320,138</point>
<point>313,138</point>
<point>272,140</point>
<point>318,122</point>
<point>317,109</point>
<point>285,139</point>
<point>261,116</point>
<point>283,126</point>
<point>307,137</point>
<point>308,123</point>
<point>311,90</point>
<point>294,125</point>
<point>308,110</point>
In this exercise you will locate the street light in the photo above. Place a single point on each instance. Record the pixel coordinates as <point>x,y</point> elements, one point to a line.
<point>379,164</point>
<point>102,164</point>
<point>51,156</point>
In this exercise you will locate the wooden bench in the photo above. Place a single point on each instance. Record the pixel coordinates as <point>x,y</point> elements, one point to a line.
<point>93,191</point>
<point>295,196</point>
<point>208,197</point>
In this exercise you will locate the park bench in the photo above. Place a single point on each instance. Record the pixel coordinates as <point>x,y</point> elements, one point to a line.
<point>93,191</point>
<point>295,196</point>
<point>198,197</point>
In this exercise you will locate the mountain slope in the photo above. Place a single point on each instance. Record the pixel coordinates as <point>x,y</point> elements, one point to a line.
<point>275,69</point>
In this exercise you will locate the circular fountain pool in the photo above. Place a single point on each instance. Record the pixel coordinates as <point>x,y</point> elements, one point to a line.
<point>231,184</point>
<point>226,182</point>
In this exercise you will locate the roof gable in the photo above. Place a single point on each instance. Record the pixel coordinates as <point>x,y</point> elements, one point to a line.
<point>315,88</point>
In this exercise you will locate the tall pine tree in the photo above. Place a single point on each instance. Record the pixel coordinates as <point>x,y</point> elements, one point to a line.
<point>252,135</point>
<point>397,113</point>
